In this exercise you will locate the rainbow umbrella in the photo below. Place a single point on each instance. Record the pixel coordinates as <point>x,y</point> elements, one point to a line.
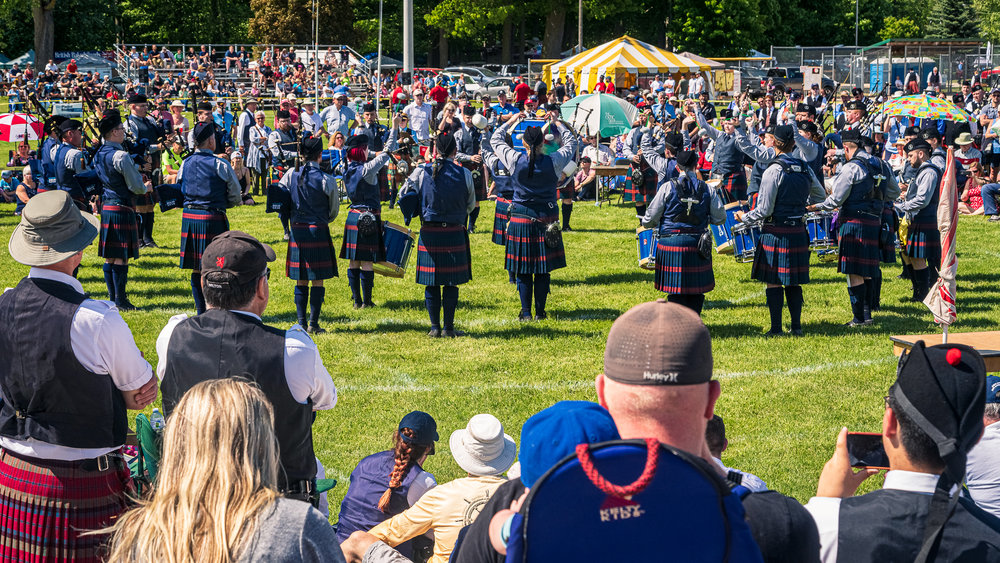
<point>922,106</point>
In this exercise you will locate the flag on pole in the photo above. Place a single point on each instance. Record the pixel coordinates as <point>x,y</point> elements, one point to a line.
<point>941,298</point>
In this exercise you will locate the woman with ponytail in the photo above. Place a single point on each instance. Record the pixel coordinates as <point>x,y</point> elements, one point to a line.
<point>389,482</point>
<point>534,176</point>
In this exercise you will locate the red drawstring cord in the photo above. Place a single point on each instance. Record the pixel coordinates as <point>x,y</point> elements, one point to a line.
<point>648,472</point>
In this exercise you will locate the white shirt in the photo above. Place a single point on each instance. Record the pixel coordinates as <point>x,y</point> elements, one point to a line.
<point>826,511</point>
<point>103,344</point>
<point>982,470</point>
<point>420,119</point>
<point>304,371</point>
<point>600,155</point>
<point>310,121</point>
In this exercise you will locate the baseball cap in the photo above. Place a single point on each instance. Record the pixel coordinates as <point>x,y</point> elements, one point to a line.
<point>993,389</point>
<point>237,254</point>
<point>553,433</point>
<point>659,343</point>
<point>423,426</point>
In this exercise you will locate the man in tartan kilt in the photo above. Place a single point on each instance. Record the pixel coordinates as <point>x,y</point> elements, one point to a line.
<point>888,222</point>
<point>63,419</point>
<point>363,244</point>
<point>923,243</point>
<point>533,242</point>
<point>470,141</point>
<point>642,181</point>
<point>857,191</point>
<point>782,257</point>
<point>122,181</point>
<point>727,160</point>
<point>681,211</point>
<point>144,129</point>
<point>209,186</point>
<point>311,256</point>
<point>444,261</point>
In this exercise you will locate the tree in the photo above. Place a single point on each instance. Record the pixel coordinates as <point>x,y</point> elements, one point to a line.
<point>953,19</point>
<point>898,28</point>
<point>45,31</point>
<point>290,21</point>
<point>989,17</point>
<point>716,27</point>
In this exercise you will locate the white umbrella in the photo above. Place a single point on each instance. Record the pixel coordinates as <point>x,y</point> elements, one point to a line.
<point>604,114</point>
<point>16,127</point>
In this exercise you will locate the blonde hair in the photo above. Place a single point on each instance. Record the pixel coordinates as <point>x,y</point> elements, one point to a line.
<point>218,472</point>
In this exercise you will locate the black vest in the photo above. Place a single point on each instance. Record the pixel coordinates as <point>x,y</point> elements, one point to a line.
<point>888,525</point>
<point>219,343</point>
<point>47,394</point>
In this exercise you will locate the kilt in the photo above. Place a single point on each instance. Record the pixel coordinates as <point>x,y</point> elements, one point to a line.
<point>734,185</point>
<point>363,249</point>
<point>858,243</point>
<point>47,504</point>
<point>782,256</point>
<point>443,255</point>
<point>500,217</point>
<point>311,255</point>
<point>478,172</point>
<point>383,184</point>
<point>144,203</point>
<point>679,266</point>
<point>525,242</point>
<point>924,241</point>
<point>889,222</point>
<point>119,233</point>
<point>568,191</point>
<point>642,194</point>
<point>198,228</point>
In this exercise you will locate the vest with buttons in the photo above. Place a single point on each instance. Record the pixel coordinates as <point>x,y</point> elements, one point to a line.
<point>146,129</point>
<point>862,196</point>
<point>66,176</point>
<point>793,189</point>
<point>929,212</point>
<point>220,343</point>
<point>115,188</point>
<point>47,394</point>
<point>443,199</point>
<point>677,214</point>
<point>727,158</point>
<point>539,189</point>
<point>201,184</point>
<point>310,203</point>
<point>361,192</point>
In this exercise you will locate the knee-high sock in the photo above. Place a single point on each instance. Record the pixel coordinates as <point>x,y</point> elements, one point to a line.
<point>449,298</point>
<point>524,287</point>
<point>567,210</point>
<point>393,192</point>
<point>119,273</point>
<point>857,295</point>
<point>284,221</point>
<point>921,283</point>
<point>147,226</point>
<point>109,280</point>
<point>316,297</point>
<point>301,298</point>
<point>875,291</point>
<point>793,295</point>
<point>432,300</point>
<point>354,281</point>
<point>695,302</point>
<point>640,210</point>
<point>775,302</point>
<point>541,292</point>
<point>473,217</point>
<point>140,220</point>
<point>199,296</point>
<point>510,277</point>
<point>367,283</point>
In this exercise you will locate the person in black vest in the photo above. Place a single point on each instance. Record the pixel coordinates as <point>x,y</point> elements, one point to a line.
<point>933,416</point>
<point>923,241</point>
<point>857,191</point>
<point>782,257</point>
<point>363,244</point>
<point>141,128</point>
<point>641,186</point>
<point>469,138</point>
<point>47,180</point>
<point>939,156</point>
<point>681,211</point>
<point>377,134</point>
<point>447,196</point>
<point>69,161</point>
<point>387,483</point>
<point>77,372</point>
<point>311,256</point>
<point>534,243</point>
<point>888,221</point>
<point>204,115</point>
<point>209,186</point>
<point>245,123</point>
<point>727,161</point>
<point>119,227</point>
<point>230,340</point>
<point>762,153</point>
<point>283,145</point>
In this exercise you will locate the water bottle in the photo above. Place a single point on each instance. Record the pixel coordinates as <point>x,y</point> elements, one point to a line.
<point>156,420</point>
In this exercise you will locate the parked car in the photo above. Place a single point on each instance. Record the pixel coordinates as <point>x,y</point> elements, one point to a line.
<point>480,75</point>
<point>470,85</point>
<point>494,87</point>
<point>507,70</point>
<point>791,79</point>
<point>424,71</point>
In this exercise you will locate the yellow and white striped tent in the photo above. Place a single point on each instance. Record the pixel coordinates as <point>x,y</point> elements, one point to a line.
<point>625,58</point>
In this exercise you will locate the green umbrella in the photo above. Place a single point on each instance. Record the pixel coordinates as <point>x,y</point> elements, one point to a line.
<point>591,114</point>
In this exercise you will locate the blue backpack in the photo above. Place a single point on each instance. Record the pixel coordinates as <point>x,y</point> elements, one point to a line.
<point>675,509</point>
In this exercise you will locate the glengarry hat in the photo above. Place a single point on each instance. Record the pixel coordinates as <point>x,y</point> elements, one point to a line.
<point>52,229</point>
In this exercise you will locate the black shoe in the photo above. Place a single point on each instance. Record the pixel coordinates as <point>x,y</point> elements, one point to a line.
<point>567,229</point>
<point>771,333</point>
<point>854,323</point>
<point>869,322</point>
<point>150,244</point>
<point>358,305</point>
<point>315,329</point>
<point>452,333</point>
<point>541,316</point>
<point>434,333</point>
<point>524,317</point>
<point>368,305</point>
<point>302,323</point>
<point>285,237</point>
<point>126,305</point>
<point>796,332</point>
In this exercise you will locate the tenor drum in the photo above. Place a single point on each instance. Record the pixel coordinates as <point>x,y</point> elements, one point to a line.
<point>723,234</point>
<point>398,245</point>
<point>646,246</point>
<point>820,228</point>
<point>746,236</point>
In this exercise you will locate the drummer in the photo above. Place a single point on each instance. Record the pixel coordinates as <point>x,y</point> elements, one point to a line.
<point>534,244</point>
<point>681,211</point>
<point>469,138</point>
<point>727,162</point>
<point>782,257</point>
<point>642,178</point>
<point>762,152</point>
<point>444,261</point>
<point>858,191</point>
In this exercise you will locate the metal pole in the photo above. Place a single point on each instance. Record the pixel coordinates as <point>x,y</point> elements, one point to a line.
<point>856,11</point>
<point>579,27</point>
<point>316,49</point>
<point>408,37</point>
<point>378,66</point>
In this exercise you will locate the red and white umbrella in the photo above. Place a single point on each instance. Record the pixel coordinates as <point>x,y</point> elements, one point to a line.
<point>941,298</point>
<point>16,127</point>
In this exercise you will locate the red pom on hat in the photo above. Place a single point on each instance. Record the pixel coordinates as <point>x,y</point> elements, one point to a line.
<point>954,356</point>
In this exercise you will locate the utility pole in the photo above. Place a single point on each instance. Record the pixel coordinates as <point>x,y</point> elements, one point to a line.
<point>407,38</point>
<point>579,28</point>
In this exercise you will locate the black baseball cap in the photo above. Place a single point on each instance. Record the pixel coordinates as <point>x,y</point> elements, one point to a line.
<point>784,133</point>
<point>423,426</point>
<point>234,257</point>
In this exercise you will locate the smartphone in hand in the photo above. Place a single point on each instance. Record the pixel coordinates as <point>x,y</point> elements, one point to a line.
<point>864,449</point>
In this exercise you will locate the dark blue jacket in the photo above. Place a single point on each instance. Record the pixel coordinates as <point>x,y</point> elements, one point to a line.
<point>675,211</point>
<point>793,190</point>
<point>362,193</point>
<point>201,184</point>
<point>115,188</point>
<point>444,198</point>
<point>310,203</point>
<point>539,189</point>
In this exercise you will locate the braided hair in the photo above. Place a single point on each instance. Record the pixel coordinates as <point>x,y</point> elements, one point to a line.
<point>406,455</point>
<point>533,140</point>
<point>446,147</point>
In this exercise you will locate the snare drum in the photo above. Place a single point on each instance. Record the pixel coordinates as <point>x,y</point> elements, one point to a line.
<point>820,227</point>
<point>398,245</point>
<point>646,245</point>
<point>746,236</point>
<point>723,234</point>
